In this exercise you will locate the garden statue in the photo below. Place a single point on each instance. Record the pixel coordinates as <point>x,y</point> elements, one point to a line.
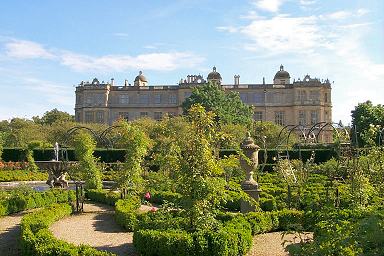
<point>249,162</point>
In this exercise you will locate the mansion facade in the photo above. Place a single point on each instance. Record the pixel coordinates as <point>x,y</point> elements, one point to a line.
<point>285,102</point>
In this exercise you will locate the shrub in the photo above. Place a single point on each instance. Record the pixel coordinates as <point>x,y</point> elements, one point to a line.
<point>102,196</point>
<point>17,201</point>
<point>165,196</point>
<point>126,212</point>
<point>36,239</point>
<point>290,219</point>
<point>262,222</point>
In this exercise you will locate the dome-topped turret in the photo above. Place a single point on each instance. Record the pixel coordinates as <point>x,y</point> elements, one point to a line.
<point>140,80</point>
<point>141,77</point>
<point>282,74</point>
<point>214,75</point>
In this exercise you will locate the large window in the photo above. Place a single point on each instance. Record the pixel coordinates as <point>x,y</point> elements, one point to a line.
<point>158,115</point>
<point>100,116</point>
<point>314,96</point>
<point>280,118</point>
<point>301,96</point>
<point>172,99</point>
<point>258,97</point>
<point>124,99</point>
<point>88,116</point>
<point>143,99</point>
<point>143,114</point>
<point>302,118</point>
<point>258,116</point>
<point>314,117</point>
<point>243,97</point>
<point>124,115</point>
<point>99,98</point>
<point>157,98</point>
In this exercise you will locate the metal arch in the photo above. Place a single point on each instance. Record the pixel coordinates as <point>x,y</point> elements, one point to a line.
<point>74,129</point>
<point>334,129</point>
<point>106,131</point>
<point>313,127</point>
<point>301,129</point>
<point>281,132</point>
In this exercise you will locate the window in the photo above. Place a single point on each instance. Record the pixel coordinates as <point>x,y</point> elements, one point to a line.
<point>258,97</point>
<point>89,99</point>
<point>243,97</point>
<point>88,116</point>
<point>280,118</point>
<point>100,116</point>
<point>172,99</point>
<point>301,96</point>
<point>157,98</point>
<point>302,118</point>
<point>314,117</point>
<point>124,99</point>
<point>143,114</point>
<point>258,116</point>
<point>99,98</point>
<point>158,115</point>
<point>143,99</point>
<point>314,96</point>
<point>124,115</point>
<point>326,97</point>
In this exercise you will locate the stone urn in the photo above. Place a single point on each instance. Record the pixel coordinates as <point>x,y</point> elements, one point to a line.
<point>249,163</point>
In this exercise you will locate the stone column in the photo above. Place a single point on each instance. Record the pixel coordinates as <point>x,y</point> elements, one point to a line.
<point>249,164</point>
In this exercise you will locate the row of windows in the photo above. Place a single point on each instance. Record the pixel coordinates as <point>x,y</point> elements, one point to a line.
<point>94,116</point>
<point>144,99</point>
<point>302,117</point>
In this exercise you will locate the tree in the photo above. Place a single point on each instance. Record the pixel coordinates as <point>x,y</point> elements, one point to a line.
<point>1,143</point>
<point>268,133</point>
<point>228,107</point>
<point>199,170</point>
<point>364,116</point>
<point>84,147</point>
<point>136,143</point>
<point>53,116</point>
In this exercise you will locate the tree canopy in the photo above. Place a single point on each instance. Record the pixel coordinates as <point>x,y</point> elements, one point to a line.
<point>366,116</point>
<point>53,116</point>
<point>227,106</point>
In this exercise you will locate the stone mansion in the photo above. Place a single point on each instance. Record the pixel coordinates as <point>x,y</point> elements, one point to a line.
<point>299,102</point>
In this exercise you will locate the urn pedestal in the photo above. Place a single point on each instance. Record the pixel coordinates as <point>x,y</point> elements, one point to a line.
<point>249,162</point>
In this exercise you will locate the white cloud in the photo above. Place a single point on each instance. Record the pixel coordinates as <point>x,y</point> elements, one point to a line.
<point>119,63</point>
<point>27,50</point>
<point>269,5</point>
<point>307,2</point>
<point>163,61</point>
<point>339,15</point>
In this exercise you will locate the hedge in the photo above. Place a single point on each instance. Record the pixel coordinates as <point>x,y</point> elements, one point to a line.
<point>126,212</point>
<point>103,196</point>
<point>22,175</point>
<point>233,239</point>
<point>36,239</point>
<point>16,202</point>
<point>165,196</point>
<point>118,155</point>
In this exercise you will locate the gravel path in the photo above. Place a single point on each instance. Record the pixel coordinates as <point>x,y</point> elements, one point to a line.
<point>95,227</point>
<point>270,244</point>
<point>10,234</point>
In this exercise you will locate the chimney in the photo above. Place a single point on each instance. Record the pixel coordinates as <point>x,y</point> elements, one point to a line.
<point>112,81</point>
<point>126,82</point>
<point>237,79</point>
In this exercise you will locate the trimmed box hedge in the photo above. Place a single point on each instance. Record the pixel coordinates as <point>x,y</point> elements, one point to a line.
<point>102,196</point>
<point>20,201</point>
<point>36,239</point>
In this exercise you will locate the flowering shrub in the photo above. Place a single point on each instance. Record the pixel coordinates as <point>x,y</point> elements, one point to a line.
<point>9,166</point>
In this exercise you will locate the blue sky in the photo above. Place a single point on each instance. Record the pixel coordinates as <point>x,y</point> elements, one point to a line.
<point>47,47</point>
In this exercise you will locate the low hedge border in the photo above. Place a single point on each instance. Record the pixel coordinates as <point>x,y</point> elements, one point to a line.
<point>36,239</point>
<point>233,239</point>
<point>103,196</point>
<point>126,212</point>
<point>29,200</point>
<point>22,175</point>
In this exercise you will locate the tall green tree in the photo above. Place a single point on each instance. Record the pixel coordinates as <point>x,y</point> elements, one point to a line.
<point>227,106</point>
<point>53,116</point>
<point>1,143</point>
<point>364,116</point>
<point>85,145</point>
